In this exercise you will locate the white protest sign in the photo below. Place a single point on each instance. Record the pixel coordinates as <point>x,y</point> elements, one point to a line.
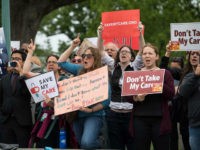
<point>185,36</point>
<point>43,84</point>
<point>15,45</point>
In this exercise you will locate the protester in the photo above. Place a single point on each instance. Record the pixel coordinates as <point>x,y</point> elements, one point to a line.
<point>151,121</point>
<point>88,125</point>
<point>15,109</point>
<point>47,127</point>
<point>77,59</point>
<point>119,114</point>
<point>190,89</point>
<point>178,108</point>
<point>111,49</point>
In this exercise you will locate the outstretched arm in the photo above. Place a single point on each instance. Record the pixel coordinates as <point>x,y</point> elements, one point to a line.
<point>27,64</point>
<point>141,38</point>
<point>165,59</point>
<point>64,56</point>
<point>100,40</point>
<point>138,62</point>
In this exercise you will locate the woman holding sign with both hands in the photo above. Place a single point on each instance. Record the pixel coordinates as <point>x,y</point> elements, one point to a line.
<point>151,121</point>
<point>88,125</point>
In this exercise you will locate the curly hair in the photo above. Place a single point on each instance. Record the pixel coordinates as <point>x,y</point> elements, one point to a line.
<point>97,59</point>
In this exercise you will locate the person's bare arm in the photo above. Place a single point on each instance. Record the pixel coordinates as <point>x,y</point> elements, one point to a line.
<point>27,64</point>
<point>100,40</point>
<point>65,55</point>
<point>141,38</point>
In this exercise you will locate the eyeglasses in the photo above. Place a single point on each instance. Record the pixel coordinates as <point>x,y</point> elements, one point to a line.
<point>125,52</point>
<point>16,58</point>
<point>76,60</point>
<point>53,62</point>
<point>87,55</point>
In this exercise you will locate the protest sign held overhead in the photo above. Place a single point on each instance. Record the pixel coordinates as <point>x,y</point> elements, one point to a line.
<point>143,82</point>
<point>82,91</point>
<point>185,36</point>
<point>121,27</point>
<point>41,85</point>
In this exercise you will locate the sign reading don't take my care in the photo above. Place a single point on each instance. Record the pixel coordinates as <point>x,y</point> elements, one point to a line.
<point>143,82</point>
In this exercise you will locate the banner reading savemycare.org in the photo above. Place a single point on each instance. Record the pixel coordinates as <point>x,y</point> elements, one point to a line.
<point>121,27</point>
<point>185,36</point>
<point>82,91</point>
<point>3,53</point>
<point>143,82</point>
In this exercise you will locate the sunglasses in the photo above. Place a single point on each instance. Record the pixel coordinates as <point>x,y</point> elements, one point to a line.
<point>76,60</point>
<point>87,55</point>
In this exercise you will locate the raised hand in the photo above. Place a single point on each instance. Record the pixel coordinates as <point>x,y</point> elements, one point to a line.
<point>76,41</point>
<point>168,51</point>
<point>140,26</point>
<point>100,29</point>
<point>31,47</point>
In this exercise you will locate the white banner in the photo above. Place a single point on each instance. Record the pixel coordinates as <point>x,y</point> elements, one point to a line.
<point>185,36</point>
<point>43,84</point>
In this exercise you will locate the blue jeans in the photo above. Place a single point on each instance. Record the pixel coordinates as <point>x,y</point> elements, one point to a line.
<point>87,131</point>
<point>194,138</point>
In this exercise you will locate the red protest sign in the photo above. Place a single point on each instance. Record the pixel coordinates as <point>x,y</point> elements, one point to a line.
<point>121,27</point>
<point>143,82</point>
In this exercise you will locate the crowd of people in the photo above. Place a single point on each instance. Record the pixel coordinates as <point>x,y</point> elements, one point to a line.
<point>132,122</point>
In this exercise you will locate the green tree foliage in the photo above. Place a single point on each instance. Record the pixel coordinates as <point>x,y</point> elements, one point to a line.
<point>156,15</point>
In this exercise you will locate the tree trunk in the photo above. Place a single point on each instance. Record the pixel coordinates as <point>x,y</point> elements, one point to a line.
<point>26,16</point>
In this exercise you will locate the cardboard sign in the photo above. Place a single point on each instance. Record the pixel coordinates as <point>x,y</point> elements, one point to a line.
<point>87,42</point>
<point>185,36</point>
<point>121,27</point>
<point>82,91</point>
<point>3,53</point>
<point>43,84</point>
<point>143,82</point>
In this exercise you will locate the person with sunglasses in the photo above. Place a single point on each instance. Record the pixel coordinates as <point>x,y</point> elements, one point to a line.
<point>77,59</point>
<point>15,108</point>
<point>190,90</point>
<point>87,126</point>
